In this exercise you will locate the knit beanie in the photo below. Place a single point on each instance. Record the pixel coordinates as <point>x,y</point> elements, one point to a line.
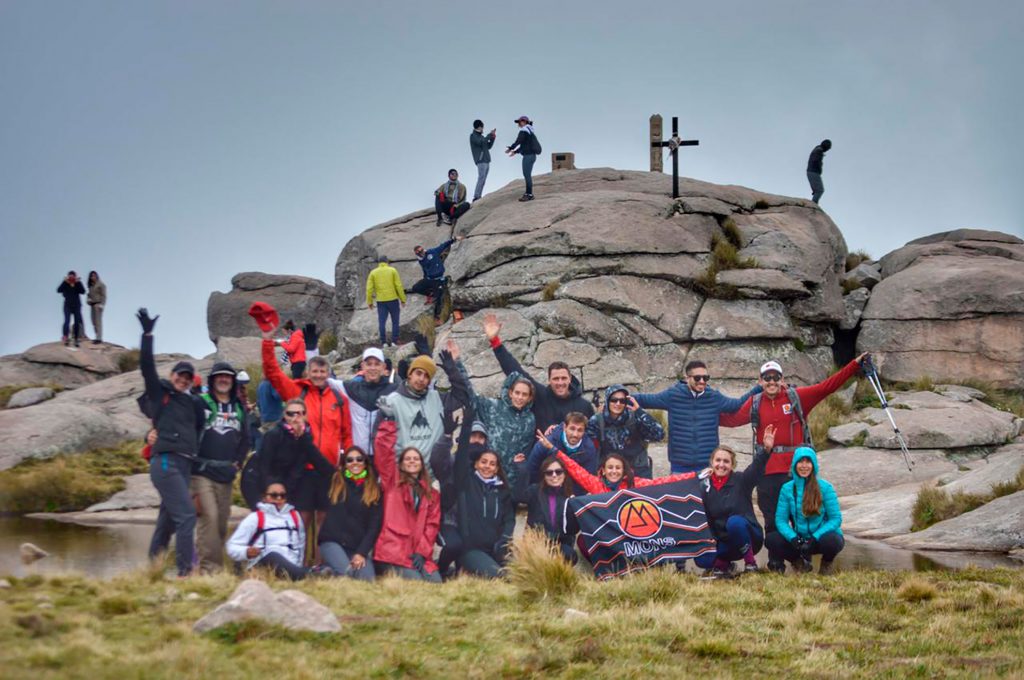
<point>425,363</point>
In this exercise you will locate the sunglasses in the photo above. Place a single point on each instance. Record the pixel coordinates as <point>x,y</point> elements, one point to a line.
<point>276,495</point>
<point>554,473</point>
<point>618,400</point>
<point>771,377</point>
<point>705,377</point>
<point>294,414</point>
<point>356,459</point>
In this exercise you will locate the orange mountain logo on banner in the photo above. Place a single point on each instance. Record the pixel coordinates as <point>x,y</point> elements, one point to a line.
<point>639,518</point>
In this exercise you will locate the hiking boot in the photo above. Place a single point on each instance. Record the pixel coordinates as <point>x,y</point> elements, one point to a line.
<point>446,219</point>
<point>776,567</point>
<point>721,573</point>
<point>97,342</point>
<point>65,340</point>
<point>803,566</point>
<point>438,221</point>
<point>525,197</point>
<point>751,568</point>
<point>826,568</point>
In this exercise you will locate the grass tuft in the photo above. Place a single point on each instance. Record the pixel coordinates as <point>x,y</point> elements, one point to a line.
<point>916,589</point>
<point>255,372</point>
<point>117,605</point>
<point>537,569</point>
<point>761,204</point>
<point>547,294</point>
<point>128,361</point>
<point>827,414</point>
<point>732,232</point>
<point>850,285</point>
<point>855,258</point>
<point>327,343</point>
<point>934,505</point>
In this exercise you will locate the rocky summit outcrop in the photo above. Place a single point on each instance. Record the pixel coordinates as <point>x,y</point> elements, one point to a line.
<point>69,367</point>
<point>605,270</point>
<point>300,298</point>
<point>950,306</point>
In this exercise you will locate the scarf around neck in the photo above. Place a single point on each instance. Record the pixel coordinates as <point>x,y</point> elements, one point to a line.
<point>493,481</point>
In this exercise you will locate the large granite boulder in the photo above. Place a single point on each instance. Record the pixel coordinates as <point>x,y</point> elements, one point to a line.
<point>950,305</point>
<point>609,265</point>
<point>997,526</point>
<point>69,367</point>
<point>300,298</point>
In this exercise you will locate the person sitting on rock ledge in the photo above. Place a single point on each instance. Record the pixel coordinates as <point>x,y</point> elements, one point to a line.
<point>450,200</point>
<point>432,285</point>
<point>273,537</point>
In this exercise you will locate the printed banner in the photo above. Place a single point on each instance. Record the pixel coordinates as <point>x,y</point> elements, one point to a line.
<point>633,529</point>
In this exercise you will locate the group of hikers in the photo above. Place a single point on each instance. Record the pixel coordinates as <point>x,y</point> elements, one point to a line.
<point>72,290</point>
<point>386,478</point>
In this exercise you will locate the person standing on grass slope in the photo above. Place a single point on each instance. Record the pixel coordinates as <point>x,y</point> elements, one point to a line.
<point>222,451</point>
<point>295,348</point>
<point>363,393</point>
<point>178,417</point>
<point>450,200</point>
<point>432,285</point>
<point>385,285</point>
<point>552,402</point>
<point>354,518</point>
<point>693,411</point>
<point>569,438</point>
<point>729,509</point>
<point>528,146</point>
<point>786,408</point>
<point>808,519</point>
<point>72,290</point>
<point>545,502</point>
<point>328,419</point>
<point>273,537</point>
<point>814,169</point>
<point>480,146</point>
<point>625,428</point>
<point>97,300</point>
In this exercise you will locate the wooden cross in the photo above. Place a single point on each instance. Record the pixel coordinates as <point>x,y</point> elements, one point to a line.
<point>673,145</point>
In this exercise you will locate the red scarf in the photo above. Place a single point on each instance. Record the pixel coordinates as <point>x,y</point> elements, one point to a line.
<point>719,482</point>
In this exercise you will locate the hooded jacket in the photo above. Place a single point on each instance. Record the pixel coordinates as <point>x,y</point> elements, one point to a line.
<point>281,534</point>
<point>328,419</point>
<point>406,528</point>
<point>626,434</point>
<point>178,417</point>
<point>509,430</point>
<point>362,407</point>
<point>295,347</point>
<point>225,438</point>
<point>692,420</point>
<point>351,523</point>
<point>486,514</point>
<point>585,456</point>
<point>420,417</point>
<point>593,483</point>
<point>790,520</point>
<point>734,498</point>
<point>283,457</point>
<point>548,408</point>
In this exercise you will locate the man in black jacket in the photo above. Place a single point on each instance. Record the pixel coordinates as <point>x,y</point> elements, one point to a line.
<point>72,290</point>
<point>814,168</point>
<point>222,451</point>
<point>552,402</point>
<point>178,417</point>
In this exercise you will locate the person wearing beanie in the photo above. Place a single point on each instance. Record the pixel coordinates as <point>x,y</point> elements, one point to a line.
<point>814,169</point>
<point>385,285</point>
<point>418,409</point>
<point>222,451</point>
<point>450,200</point>
<point>528,146</point>
<point>480,146</point>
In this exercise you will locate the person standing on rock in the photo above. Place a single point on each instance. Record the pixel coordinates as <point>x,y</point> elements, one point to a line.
<point>385,285</point>
<point>814,169</point>
<point>222,451</point>
<point>179,418</point>
<point>623,427</point>
<point>552,402</point>
<point>480,146</point>
<point>786,409</point>
<point>295,348</point>
<point>72,290</point>
<point>432,285</point>
<point>528,146</point>
<point>363,393</point>
<point>97,300</point>
<point>693,411</point>
<point>450,200</point>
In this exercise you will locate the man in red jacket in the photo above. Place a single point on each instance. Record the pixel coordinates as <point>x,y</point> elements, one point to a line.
<point>775,407</point>
<point>327,416</point>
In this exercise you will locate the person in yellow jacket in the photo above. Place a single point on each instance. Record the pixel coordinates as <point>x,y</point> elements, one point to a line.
<point>385,283</point>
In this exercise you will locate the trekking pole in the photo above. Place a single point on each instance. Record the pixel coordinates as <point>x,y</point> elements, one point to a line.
<point>872,376</point>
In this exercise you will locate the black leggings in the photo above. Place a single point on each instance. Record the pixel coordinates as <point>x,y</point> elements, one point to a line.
<point>828,546</point>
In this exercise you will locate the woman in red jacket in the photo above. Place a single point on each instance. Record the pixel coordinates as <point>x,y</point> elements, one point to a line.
<point>412,511</point>
<point>295,347</point>
<point>615,473</point>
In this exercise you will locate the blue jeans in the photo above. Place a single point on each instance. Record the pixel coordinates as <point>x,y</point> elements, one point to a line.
<point>340,560</point>
<point>391,308</point>
<point>740,534</point>
<point>481,176</point>
<point>528,161</point>
<point>78,327</point>
<point>171,475</point>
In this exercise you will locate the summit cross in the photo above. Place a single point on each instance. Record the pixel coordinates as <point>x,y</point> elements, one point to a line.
<point>673,144</point>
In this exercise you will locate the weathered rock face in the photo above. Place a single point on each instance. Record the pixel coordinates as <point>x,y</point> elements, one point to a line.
<point>254,599</point>
<point>603,270</point>
<point>299,298</point>
<point>950,305</point>
<point>29,396</point>
<point>997,526</point>
<point>52,362</point>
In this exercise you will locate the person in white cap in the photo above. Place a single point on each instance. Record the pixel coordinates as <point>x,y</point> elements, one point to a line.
<point>363,391</point>
<point>786,408</point>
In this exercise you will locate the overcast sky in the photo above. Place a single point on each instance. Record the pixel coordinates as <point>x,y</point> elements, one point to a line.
<point>170,145</point>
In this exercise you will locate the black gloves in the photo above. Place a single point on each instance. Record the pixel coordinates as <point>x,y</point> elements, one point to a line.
<point>146,321</point>
<point>447,362</point>
<point>450,422</point>
<point>803,547</point>
<point>418,561</point>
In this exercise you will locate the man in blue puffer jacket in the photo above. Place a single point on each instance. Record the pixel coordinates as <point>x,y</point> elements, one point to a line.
<point>693,410</point>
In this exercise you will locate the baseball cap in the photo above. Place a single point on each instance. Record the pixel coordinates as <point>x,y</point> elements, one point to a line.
<point>771,366</point>
<point>265,315</point>
<point>522,118</point>
<point>184,367</point>
<point>372,352</point>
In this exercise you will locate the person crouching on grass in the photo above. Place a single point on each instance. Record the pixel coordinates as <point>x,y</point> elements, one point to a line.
<point>353,518</point>
<point>272,537</point>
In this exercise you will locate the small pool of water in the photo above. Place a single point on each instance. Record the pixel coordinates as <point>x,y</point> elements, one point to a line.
<point>106,551</point>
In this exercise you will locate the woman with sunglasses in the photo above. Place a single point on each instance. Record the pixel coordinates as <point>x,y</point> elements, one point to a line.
<point>273,537</point>
<point>625,428</point>
<point>412,509</point>
<point>545,502</point>
<point>353,518</point>
<point>486,513</point>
